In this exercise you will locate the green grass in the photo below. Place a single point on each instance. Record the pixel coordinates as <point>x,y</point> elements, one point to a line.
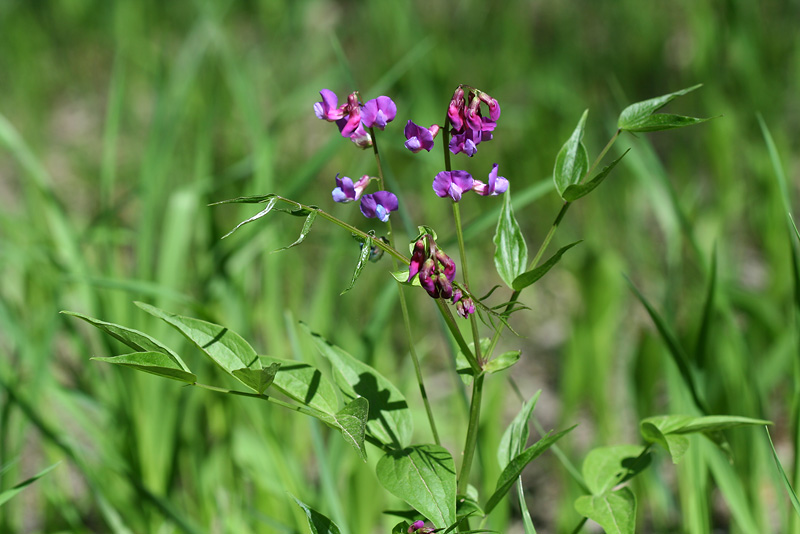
<point>120,122</point>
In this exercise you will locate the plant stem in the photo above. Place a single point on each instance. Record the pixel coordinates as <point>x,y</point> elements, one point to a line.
<point>453,327</point>
<point>404,305</point>
<point>462,252</point>
<point>472,433</point>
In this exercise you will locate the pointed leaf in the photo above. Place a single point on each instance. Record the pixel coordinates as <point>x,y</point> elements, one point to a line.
<point>156,363</point>
<point>11,492</point>
<point>258,199</point>
<point>304,232</point>
<point>715,423</point>
<point>257,379</point>
<point>636,114</point>
<point>318,523</point>
<point>425,477</point>
<point>615,511</point>
<point>389,418</point>
<point>659,430</point>
<point>525,279</point>
<point>664,121</point>
<point>138,341</point>
<point>225,347</point>
<point>270,204</point>
<point>352,423</point>
<point>504,361</point>
<point>786,484</point>
<point>304,383</point>
<point>576,191</point>
<point>606,467</point>
<point>513,470</point>
<point>516,435</point>
<point>572,161</point>
<point>511,252</point>
<point>362,261</point>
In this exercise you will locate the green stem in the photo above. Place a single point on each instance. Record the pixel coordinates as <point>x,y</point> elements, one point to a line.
<point>289,406</point>
<point>404,305</point>
<point>462,252</point>
<point>453,327</point>
<point>472,434</point>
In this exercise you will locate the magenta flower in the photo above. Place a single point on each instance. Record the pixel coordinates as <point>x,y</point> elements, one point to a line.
<point>351,116</point>
<point>469,126</point>
<point>328,109</point>
<point>378,112</point>
<point>496,185</point>
<point>464,306</point>
<point>417,258</point>
<point>347,191</point>
<point>419,137</point>
<point>378,205</point>
<point>361,137</point>
<point>452,184</point>
<point>435,269</point>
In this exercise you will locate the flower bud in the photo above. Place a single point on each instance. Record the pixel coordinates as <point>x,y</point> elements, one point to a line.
<point>416,259</point>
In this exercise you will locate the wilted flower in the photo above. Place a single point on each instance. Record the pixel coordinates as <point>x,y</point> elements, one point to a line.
<point>419,137</point>
<point>496,185</point>
<point>347,191</point>
<point>452,184</point>
<point>378,112</point>
<point>351,118</point>
<point>378,205</point>
<point>464,305</point>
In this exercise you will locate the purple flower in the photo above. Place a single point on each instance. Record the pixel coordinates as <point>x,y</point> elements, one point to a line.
<point>436,269</point>
<point>469,126</point>
<point>351,116</point>
<point>464,306</point>
<point>496,185</point>
<point>378,205</point>
<point>361,137</point>
<point>417,258</point>
<point>347,191</point>
<point>328,109</point>
<point>378,112</point>
<point>452,184</point>
<point>420,137</point>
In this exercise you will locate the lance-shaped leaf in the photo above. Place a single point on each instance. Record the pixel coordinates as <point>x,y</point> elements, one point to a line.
<point>257,379</point>
<point>516,435</point>
<point>572,161</point>
<point>351,421</point>
<point>227,348</point>
<point>366,247</point>
<point>515,467</point>
<point>317,522</point>
<point>511,252</point>
<point>138,341</point>
<point>425,477</point>
<point>615,511</point>
<point>606,467</point>
<point>576,191</point>
<point>304,232</point>
<point>532,276</point>
<point>502,362</point>
<point>155,363</point>
<point>639,117</point>
<point>389,417</point>
<point>11,492</point>
<point>271,200</point>
<point>304,383</point>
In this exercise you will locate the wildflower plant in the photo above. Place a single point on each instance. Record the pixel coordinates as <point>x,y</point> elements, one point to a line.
<point>433,481</point>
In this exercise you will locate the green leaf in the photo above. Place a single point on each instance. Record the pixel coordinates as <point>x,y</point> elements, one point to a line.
<point>504,361</point>
<point>463,367</point>
<point>304,383</point>
<point>12,492</point>
<point>659,430</point>
<point>351,421</point>
<point>516,435</point>
<point>424,476</point>
<point>270,204</point>
<point>423,231</point>
<point>225,347</point>
<point>257,199</point>
<point>606,467</point>
<point>138,341</point>
<point>257,379</point>
<point>304,232</point>
<point>572,161</point>
<point>156,363</point>
<point>389,417</point>
<point>511,252</point>
<point>362,261</point>
<point>715,423</point>
<point>513,470</point>
<point>576,191</point>
<point>615,511</point>
<point>402,277</point>
<point>639,117</point>
<point>786,484</point>
<point>318,523</point>
<point>530,277</point>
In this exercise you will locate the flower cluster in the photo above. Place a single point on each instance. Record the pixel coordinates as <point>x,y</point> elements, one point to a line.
<point>353,118</point>
<point>436,272</point>
<point>469,126</point>
<point>455,183</point>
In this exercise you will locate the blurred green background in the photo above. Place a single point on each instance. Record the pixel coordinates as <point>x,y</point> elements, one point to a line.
<point>120,121</point>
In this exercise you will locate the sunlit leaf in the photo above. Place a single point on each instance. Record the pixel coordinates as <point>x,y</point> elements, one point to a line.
<point>511,252</point>
<point>312,214</point>
<point>362,261</point>
<point>270,204</point>
<point>257,379</point>
<point>615,511</point>
<point>156,363</point>
<point>304,383</point>
<point>318,523</point>
<point>639,117</point>
<point>516,435</point>
<point>606,467</point>
<point>11,492</point>
<point>572,161</point>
